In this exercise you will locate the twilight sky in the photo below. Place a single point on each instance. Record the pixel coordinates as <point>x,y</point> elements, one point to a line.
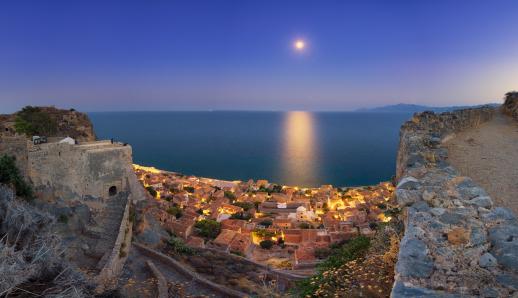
<point>200,55</point>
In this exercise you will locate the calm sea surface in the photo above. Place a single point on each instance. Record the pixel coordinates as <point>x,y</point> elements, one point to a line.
<point>293,148</point>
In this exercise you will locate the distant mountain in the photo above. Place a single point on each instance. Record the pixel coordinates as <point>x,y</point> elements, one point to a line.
<point>411,108</point>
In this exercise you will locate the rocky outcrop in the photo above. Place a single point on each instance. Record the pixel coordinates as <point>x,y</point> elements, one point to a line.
<point>456,243</point>
<point>510,106</point>
<point>68,123</point>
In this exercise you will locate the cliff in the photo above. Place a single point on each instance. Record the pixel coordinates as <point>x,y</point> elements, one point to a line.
<point>58,123</point>
<point>456,242</point>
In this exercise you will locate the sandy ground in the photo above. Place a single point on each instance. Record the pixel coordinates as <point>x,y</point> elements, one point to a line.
<point>489,155</point>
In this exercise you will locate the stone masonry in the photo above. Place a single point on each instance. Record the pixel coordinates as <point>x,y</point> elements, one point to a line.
<point>456,242</point>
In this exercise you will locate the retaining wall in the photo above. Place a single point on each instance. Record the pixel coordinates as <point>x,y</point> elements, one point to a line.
<point>456,243</point>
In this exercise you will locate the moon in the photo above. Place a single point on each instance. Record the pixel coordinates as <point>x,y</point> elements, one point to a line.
<point>299,44</point>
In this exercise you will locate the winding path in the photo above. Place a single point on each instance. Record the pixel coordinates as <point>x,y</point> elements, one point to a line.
<point>488,154</point>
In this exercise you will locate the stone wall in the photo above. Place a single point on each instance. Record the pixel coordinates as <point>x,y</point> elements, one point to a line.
<point>510,106</point>
<point>456,242</point>
<point>17,147</point>
<point>79,171</point>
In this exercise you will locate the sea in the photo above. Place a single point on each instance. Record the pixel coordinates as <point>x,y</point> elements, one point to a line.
<point>296,148</point>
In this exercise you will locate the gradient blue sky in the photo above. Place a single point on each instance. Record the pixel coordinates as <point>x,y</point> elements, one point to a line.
<point>199,55</point>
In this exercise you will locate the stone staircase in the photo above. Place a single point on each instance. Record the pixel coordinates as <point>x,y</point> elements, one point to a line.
<point>101,235</point>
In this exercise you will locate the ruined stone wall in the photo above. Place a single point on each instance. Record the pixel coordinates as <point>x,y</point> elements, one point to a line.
<point>79,171</point>
<point>456,242</point>
<point>510,106</point>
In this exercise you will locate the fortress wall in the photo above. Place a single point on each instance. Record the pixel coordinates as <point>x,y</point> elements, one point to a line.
<point>73,171</point>
<point>456,242</point>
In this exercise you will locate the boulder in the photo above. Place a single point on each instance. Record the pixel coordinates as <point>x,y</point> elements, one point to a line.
<point>414,260</point>
<point>487,260</point>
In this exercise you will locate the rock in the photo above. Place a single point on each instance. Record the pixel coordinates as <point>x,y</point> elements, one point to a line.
<point>401,290</point>
<point>508,280</point>
<point>428,195</point>
<point>499,214</point>
<point>468,189</point>
<point>437,211</point>
<point>487,260</point>
<point>458,236</point>
<point>407,197</point>
<point>421,206</point>
<point>489,293</point>
<point>409,183</point>
<point>484,202</point>
<point>478,236</point>
<point>451,218</point>
<point>414,260</point>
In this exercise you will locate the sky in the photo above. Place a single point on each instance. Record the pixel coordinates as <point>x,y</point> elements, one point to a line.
<point>240,55</point>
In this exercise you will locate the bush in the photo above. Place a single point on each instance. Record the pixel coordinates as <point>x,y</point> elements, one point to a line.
<point>322,253</point>
<point>305,226</point>
<point>264,233</point>
<point>266,244</point>
<point>208,228</point>
<point>9,174</point>
<point>245,205</point>
<point>33,121</point>
<point>175,211</point>
<point>266,223</point>
<point>63,218</point>
<point>230,195</point>
<point>178,246</point>
<point>188,189</point>
<point>151,191</point>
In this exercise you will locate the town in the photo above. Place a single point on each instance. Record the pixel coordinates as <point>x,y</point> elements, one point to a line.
<point>285,227</point>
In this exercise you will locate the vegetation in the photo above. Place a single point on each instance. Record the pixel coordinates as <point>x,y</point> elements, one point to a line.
<point>266,244</point>
<point>305,225</point>
<point>175,211</point>
<point>322,253</point>
<point>152,191</point>
<point>178,246</point>
<point>9,174</point>
<point>208,228</point>
<point>245,205</point>
<point>266,222</point>
<point>63,218</point>
<point>34,121</point>
<point>264,233</point>
<point>241,215</point>
<point>188,189</point>
<point>350,251</point>
<point>230,195</point>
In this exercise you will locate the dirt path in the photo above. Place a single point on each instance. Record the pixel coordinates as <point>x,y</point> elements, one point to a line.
<point>489,155</point>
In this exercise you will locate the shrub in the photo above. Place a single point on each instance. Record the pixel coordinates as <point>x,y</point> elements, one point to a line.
<point>266,244</point>
<point>152,191</point>
<point>305,225</point>
<point>245,205</point>
<point>230,195</point>
<point>63,218</point>
<point>178,246</point>
<point>208,228</point>
<point>241,215</point>
<point>264,233</point>
<point>188,189</point>
<point>34,121</point>
<point>9,174</point>
<point>322,253</point>
<point>266,222</point>
<point>175,211</point>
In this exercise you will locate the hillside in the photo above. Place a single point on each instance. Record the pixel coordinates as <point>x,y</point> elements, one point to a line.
<point>48,121</point>
<point>412,108</point>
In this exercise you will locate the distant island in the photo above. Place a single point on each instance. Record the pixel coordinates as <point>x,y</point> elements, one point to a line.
<point>412,108</point>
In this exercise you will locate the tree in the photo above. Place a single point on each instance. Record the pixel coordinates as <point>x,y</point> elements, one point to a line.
<point>152,191</point>
<point>266,244</point>
<point>34,121</point>
<point>208,228</point>
<point>229,195</point>
<point>245,205</point>
<point>305,226</point>
<point>266,222</point>
<point>9,174</point>
<point>178,246</point>
<point>188,189</point>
